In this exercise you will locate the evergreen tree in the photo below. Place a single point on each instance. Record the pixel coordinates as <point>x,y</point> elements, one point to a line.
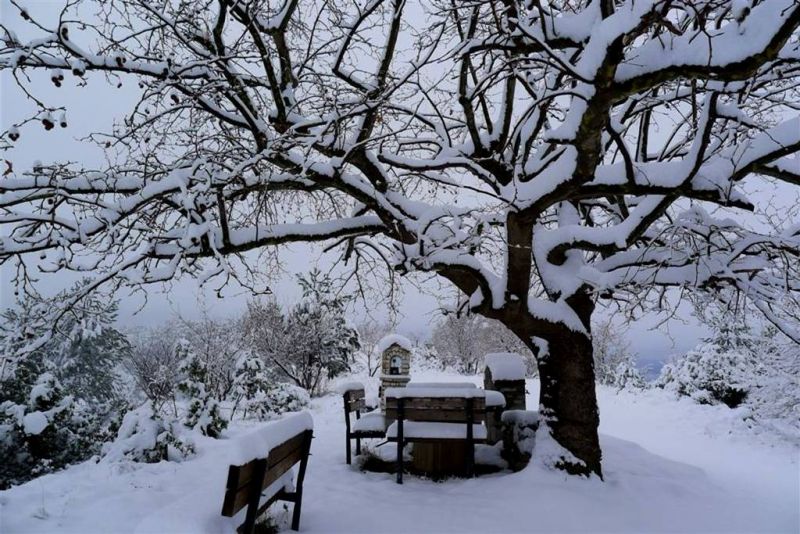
<point>202,410</point>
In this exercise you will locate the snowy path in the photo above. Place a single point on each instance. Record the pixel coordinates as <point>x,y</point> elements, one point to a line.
<point>681,470</point>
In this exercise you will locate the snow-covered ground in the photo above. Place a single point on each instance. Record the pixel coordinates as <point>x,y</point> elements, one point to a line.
<point>670,466</point>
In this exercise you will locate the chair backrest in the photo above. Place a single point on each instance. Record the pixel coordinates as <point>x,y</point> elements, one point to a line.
<point>437,409</point>
<point>354,400</point>
<point>277,462</point>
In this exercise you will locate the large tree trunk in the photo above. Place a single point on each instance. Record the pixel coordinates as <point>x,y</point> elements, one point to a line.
<point>568,403</point>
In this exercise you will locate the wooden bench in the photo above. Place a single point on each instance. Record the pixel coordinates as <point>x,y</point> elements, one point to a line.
<point>435,415</point>
<point>369,425</point>
<point>285,443</point>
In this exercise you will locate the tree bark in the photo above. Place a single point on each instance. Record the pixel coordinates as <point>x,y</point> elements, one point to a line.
<point>568,402</point>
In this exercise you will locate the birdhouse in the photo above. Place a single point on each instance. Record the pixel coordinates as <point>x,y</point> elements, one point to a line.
<point>395,354</point>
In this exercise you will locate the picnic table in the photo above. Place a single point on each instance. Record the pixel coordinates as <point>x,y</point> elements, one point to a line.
<point>443,421</point>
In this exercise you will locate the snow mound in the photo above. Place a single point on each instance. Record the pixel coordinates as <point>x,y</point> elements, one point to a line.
<point>506,366</point>
<point>393,339</point>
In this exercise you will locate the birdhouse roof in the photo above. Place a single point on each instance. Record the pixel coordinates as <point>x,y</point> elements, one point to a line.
<point>394,339</point>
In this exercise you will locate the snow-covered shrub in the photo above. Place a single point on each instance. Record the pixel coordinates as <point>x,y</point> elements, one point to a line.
<point>202,409</point>
<point>283,397</point>
<point>260,397</point>
<point>710,374</point>
<point>146,435</point>
<point>45,431</point>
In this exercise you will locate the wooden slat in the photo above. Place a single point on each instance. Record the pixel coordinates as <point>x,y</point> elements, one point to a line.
<point>438,416</point>
<point>356,394</point>
<point>436,403</point>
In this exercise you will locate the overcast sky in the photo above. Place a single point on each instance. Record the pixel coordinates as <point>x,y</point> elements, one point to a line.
<point>96,106</point>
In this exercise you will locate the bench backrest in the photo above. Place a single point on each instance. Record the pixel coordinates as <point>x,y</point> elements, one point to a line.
<point>354,400</point>
<point>437,409</point>
<point>242,478</point>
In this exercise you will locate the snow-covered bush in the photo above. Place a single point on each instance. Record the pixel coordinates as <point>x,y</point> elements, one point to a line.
<point>710,374</point>
<point>724,368</point>
<point>44,432</point>
<point>59,385</point>
<point>147,435</point>
<point>202,409</point>
<point>260,397</point>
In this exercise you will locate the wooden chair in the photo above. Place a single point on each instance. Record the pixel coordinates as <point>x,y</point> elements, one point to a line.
<point>419,415</point>
<point>368,425</point>
<point>246,483</point>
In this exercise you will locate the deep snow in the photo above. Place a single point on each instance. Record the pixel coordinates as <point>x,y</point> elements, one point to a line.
<point>670,466</point>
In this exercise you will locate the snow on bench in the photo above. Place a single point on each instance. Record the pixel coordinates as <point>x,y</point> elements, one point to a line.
<point>506,366</point>
<point>258,443</point>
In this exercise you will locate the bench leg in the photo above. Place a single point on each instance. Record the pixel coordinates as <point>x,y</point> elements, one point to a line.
<point>296,512</point>
<point>399,462</point>
<point>347,454</point>
<point>358,446</point>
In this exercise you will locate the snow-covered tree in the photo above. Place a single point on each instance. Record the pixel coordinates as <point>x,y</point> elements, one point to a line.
<point>59,388</point>
<point>320,343</point>
<point>84,351</point>
<point>154,364</point>
<point>535,154</point>
<point>220,344</point>
<point>261,396</point>
<point>462,340</point>
<point>202,409</point>
<point>614,364</point>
